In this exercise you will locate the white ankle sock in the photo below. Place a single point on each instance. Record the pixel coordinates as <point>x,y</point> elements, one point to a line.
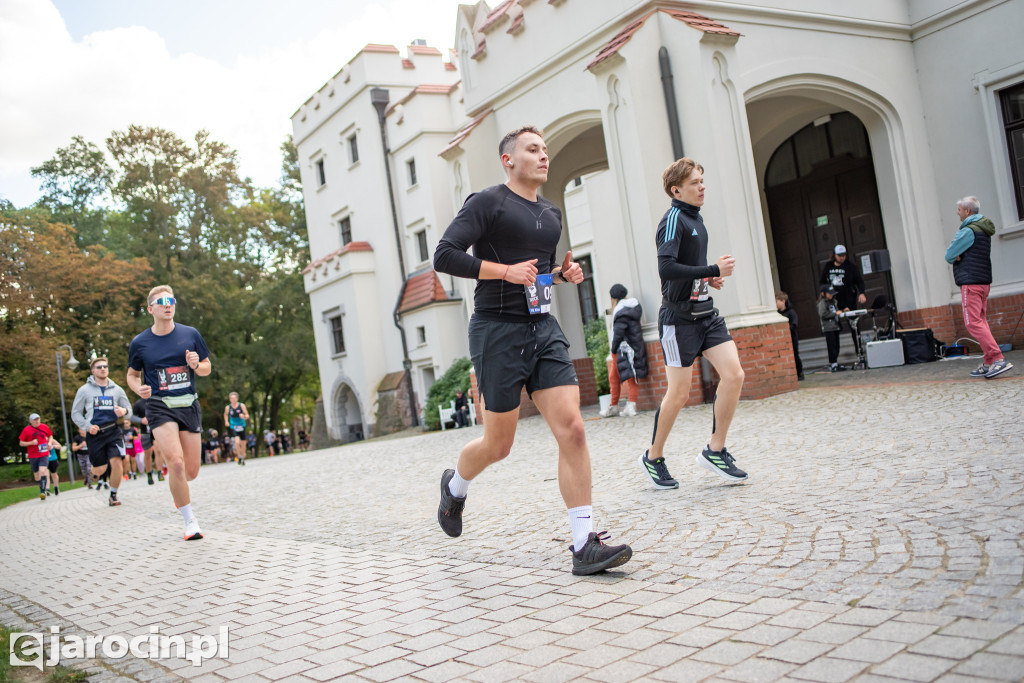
<point>186,512</point>
<point>458,486</point>
<point>581,524</point>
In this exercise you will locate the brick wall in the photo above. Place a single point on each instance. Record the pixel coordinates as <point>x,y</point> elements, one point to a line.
<point>766,354</point>
<point>584,372</point>
<point>947,322</point>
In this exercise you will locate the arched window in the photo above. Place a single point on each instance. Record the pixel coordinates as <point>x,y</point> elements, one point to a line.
<point>840,135</point>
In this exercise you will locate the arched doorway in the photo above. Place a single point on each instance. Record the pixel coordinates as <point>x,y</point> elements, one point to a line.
<point>821,191</point>
<point>348,419</point>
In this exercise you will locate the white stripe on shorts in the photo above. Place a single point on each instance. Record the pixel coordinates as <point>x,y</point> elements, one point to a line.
<point>670,347</point>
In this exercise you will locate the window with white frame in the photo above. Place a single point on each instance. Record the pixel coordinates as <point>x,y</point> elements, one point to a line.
<point>1012,103</point>
<point>353,149</point>
<point>337,335</point>
<point>410,168</point>
<point>321,174</point>
<point>345,228</point>
<point>421,243</point>
<point>421,335</point>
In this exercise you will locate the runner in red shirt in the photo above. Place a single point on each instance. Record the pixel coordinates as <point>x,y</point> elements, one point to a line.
<point>38,438</point>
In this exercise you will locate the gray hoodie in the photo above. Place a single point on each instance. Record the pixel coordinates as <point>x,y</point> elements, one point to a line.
<point>85,399</point>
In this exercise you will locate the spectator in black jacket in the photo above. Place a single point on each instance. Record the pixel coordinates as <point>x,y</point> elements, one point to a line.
<point>786,309</point>
<point>845,278</point>
<point>461,415</point>
<point>627,346</point>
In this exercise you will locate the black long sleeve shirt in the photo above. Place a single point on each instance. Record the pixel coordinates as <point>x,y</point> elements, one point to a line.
<point>682,256</point>
<point>505,228</point>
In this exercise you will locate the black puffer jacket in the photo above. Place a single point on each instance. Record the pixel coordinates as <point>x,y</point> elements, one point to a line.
<point>628,340</point>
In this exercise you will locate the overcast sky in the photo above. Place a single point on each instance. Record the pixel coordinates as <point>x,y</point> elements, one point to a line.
<point>238,68</point>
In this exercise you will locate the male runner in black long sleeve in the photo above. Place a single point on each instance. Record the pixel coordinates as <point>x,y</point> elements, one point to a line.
<point>689,326</point>
<point>515,342</point>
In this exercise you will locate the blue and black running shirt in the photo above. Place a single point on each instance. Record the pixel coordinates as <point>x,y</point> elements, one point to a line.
<point>683,266</point>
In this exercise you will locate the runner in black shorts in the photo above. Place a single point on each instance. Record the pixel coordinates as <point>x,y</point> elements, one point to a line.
<point>689,326</point>
<point>515,342</point>
<point>152,457</point>
<point>99,405</point>
<point>162,362</point>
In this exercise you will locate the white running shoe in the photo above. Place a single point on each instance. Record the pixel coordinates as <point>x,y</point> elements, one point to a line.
<point>610,411</point>
<point>629,410</point>
<point>192,530</point>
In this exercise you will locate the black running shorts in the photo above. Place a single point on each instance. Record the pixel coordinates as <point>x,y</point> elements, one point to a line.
<point>683,342</point>
<point>188,419</point>
<point>54,465</point>
<point>147,441</point>
<point>37,464</point>
<point>508,356</point>
<point>106,444</point>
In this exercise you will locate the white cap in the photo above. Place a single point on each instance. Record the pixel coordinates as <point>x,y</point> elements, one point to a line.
<point>33,416</point>
<point>840,249</point>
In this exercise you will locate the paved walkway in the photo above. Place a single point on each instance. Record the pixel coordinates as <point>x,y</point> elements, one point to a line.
<point>879,538</point>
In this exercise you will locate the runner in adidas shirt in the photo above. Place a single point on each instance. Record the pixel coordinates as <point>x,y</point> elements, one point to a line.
<point>689,326</point>
<point>235,417</point>
<point>98,408</point>
<point>162,362</point>
<point>515,342</point>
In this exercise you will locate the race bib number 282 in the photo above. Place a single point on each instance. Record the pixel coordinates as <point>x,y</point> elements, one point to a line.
<point>174,378</point>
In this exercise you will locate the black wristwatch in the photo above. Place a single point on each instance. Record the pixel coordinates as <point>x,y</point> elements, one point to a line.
<point>560,276</point>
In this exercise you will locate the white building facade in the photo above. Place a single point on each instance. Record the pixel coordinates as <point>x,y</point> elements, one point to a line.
<point>818,122</point>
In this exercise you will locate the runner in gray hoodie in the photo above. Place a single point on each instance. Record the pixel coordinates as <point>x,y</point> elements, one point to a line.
<point>98,406</point>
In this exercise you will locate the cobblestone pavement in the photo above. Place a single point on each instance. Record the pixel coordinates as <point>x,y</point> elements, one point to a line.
<point>878,538</point>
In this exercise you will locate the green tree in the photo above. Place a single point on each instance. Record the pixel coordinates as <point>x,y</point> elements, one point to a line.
<point>442,392</point>
<point>597,348</point>
<point>76,189</point>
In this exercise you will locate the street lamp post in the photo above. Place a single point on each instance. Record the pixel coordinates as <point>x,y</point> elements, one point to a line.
<point>73,364</point>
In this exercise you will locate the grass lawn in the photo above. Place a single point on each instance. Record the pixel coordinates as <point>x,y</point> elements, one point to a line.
<point>12,475</point>
<point>12,496</point>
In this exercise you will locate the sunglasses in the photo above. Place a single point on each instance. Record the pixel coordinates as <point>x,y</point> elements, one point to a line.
<point>99,367</point>
<point>164,301</point>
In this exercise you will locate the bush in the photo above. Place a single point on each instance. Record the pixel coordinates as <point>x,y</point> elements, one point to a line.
<point>442,393</point>
<point>597,349</point>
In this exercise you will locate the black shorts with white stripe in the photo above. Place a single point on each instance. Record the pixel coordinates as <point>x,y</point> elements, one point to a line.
<point>683,342</point>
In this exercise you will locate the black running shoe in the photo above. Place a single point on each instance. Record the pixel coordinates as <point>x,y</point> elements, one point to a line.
<point>149,477</point>
<point>56,490</point>
<point>595,556</point>
<point>658,472</point>
<point>449,512</point>
<point>113,500</point>
<point>721,463</point>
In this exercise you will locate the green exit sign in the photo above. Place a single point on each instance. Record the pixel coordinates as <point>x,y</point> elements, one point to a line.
<point>822,220</point>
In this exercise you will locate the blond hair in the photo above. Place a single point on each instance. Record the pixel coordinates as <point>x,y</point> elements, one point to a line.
<point>678,172</point>
<point>159,289</point>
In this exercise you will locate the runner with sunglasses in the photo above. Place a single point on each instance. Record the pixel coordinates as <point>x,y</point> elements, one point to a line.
<point>98,408</point>
<point>162,364</point>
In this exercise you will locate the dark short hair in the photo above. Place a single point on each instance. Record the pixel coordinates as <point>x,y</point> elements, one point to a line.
<point>508,143</point>
<point>781,296</point>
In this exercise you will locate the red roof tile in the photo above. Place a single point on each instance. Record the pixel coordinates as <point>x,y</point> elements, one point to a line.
<point>351,246</point>
<point>464,132</point>
<point>449,66</point>
<point>496,15</point>
<point>425,89</point>
<point>407,64</point>
<point>424,50</point>
<point>420,290</point>
<point>691,19</point>
<point>375,47</point>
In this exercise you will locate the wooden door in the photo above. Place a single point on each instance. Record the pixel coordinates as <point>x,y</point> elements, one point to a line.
<point>835,204</point>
